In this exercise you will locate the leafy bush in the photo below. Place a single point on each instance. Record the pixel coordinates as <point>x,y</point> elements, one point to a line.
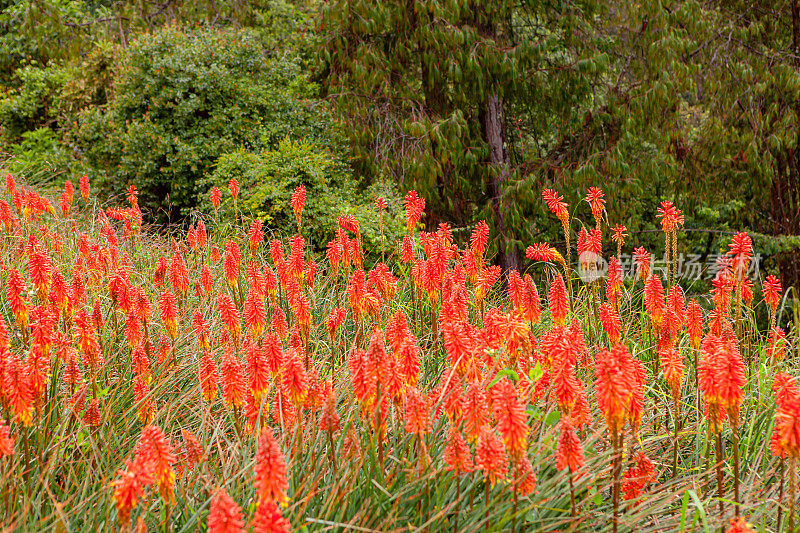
<point>268,179</point>
<point>33,101</point>
<point>182,99</point>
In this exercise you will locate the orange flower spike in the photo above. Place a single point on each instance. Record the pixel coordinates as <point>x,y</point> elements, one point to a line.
<point>786,433</point>
<point>356,294</point>
<point>414,207</point>
<point>234,388</point>
<point>298,201</point>
<point>772,293</point>
<point>231,263</point>
<point>741,253</point>
<point>169,313</point>
<point>555,202</point>
<point>208,376</point>
<point>611,322</point>
<point>6,441</point>
<point>641,259</point>
<point>83,185</point>
<point>255,236</point>
<point>531,305</point>
<point>128,489</point>
<point>216,197</point>
<point>673,368</point>
<point>479,239</point>
<point>491,458</point>
<point>721,378</point>
<point>41,270</point>
<point>349,223</point>
<point>570,451</point>
<point>416,413</point>
<point>257,372</point>
<point>154,451</point>
<point>269,519</point>
<point>740,525</point>
<point>271,483</point>
<point>201,330</point>
<point>329,419</point>
<point>457,455</point>
<point>143,399</point>
<point>224,516</point>
<point>255,314</point>
<point>335,320</point>
<point>596,200</point>
<point>510,416</point>
<point>559,305</point>
<point>87,340</point>
<point>694,323</point>
<point>17,390</point>
<point>613,385</point>
<point>618,234</point>
<point>233,187</point>
<point>178,274</point>
<point>294,380</point>
<point>654,299</point>
<point>638,477</point>
<point>15,291</point>
<point>140,362</point>
<point>230,316</point>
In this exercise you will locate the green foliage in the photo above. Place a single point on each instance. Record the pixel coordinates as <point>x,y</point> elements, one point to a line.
<point>413,86</point>
<point>32,101</point>
<point>269,178</point>
<point>182,99</point>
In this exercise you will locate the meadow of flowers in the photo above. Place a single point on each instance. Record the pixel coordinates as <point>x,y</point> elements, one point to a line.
<point>212,379</point>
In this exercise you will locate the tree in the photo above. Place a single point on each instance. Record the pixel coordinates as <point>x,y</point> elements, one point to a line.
<point>428,90</point>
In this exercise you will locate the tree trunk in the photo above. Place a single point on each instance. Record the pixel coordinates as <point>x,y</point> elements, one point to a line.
<point>785,192</point>
<point>494,129</point>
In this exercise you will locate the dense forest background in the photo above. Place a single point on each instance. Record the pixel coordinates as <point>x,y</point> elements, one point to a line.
<point>478,105</point>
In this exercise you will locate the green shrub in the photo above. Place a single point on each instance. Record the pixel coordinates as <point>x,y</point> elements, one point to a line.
<point>268,179</point>
<point>181,100</point>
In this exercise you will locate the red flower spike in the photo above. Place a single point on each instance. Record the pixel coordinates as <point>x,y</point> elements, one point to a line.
<point>298,201</point>
<point>491,458</point>
<point>169,313</point>
<point>6,441</point>
<point>232,375</point>
<point>208,376</point>
<point>740,525</point>
<point>416,413</point>
<point>772,293</point>
<point>510,416</point>
<point>225,516</point>
<point>128,489</point>
<point>257,372</point>
<point>559,305</point>
<point>233,186</point>
<point>570,451</point>
<point>269,519</point>
<point>271,483</point>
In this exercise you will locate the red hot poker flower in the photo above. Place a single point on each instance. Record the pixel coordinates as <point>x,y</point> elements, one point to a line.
<point>208,376</point>
<point>491,458</point>
<point>271,482</point>
<point>559,305</point>
<point>216,197</point>
<point>225,516</point>
<point>298,201</point>
<point>570,451</point>
<point>269,519</point>
<point>510,416</point>
<point>233,186</point>
<point>169,313</point>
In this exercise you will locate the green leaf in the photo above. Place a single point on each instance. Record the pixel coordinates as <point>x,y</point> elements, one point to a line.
<point>506,372</point>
